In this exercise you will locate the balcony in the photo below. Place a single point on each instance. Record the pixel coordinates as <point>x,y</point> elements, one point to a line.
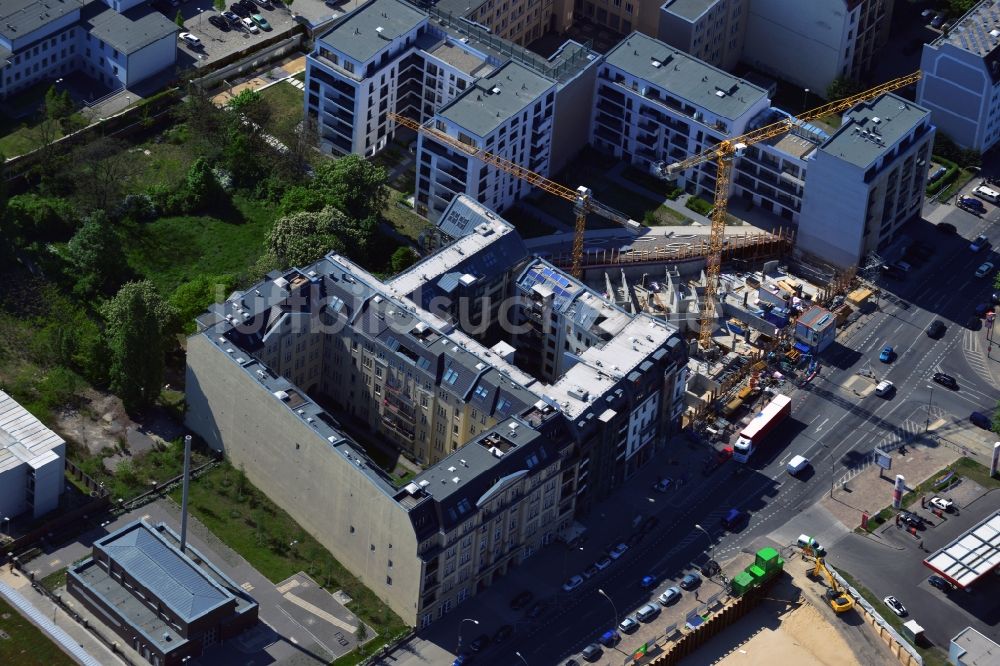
<point>393,425</point>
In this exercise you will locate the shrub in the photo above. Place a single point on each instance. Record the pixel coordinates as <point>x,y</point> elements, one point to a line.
<point>699,205</point>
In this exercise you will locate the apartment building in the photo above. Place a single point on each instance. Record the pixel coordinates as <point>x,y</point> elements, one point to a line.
<point>119,42</point>
<point>509,457</point>
<point>32,462</point>
<point>622,16</point>
<point>961,78</point>
<point>518,21</point>
<point>812,43</point>
<point>656,104</point>
<point>711,30</point>
<point>866,180</point>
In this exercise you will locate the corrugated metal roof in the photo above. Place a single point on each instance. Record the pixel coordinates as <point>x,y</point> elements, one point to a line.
<point>970,556</point>
<point>163,570</point>
<point>23,438</point>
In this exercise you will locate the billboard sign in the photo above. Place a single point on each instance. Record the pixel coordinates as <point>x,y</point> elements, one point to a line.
<point>882,459</point>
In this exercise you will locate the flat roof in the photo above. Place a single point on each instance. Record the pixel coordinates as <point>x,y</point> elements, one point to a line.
<point>22,17</point>
<point>162,569</point>
<point>977,31</point>
<point>496,98</point>
<point>871,129</point>
<point>688,9</point>
<point>459,58</point>
<point>23,438</point>
<point>684,76</point>
<point>129,32</point>
<point>972,555</point>
<point>371,28</point>
<point>977,649</point>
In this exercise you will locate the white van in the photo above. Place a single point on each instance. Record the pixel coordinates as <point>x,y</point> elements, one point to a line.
<point>796,465</point>
<point>987,193</point>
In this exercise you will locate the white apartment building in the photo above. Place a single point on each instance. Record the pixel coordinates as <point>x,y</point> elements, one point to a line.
<point>866,180</point>
<point>119,43</point>
<point>812,43</point>
<point>32,463</point>
<point>656,104</point>
<point>508,113</point>
<point>710,30</point>
<point>961,81</point>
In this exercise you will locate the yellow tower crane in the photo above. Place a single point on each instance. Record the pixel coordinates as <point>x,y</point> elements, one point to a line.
<point>581,197</point>
<point>723,154</point>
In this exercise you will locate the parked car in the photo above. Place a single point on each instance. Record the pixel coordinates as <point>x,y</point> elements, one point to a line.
<point>522,599</point>
<point>971,204</point>
<point>219,22</point>
<point>690,581</point>
<point>940,583</point>
<point>590,572</point>
<point>647,613</point>
<point>888,353</point>
<point>239,10</point>
<point>708,568</point>
<point>628,625</point>
<point>893,603</point>
<point>980,420</point>
<point>609,638</point>
<point>249,5</point>
<point>663,485</point>
<point>945,380</point>
<point>618,551</point>
<point>735,519</point>
<point>979,242</point>
<point>573,583</point>
<point>250,26</point>
<point>264,4</point>
<point>503,633</point>
<point>936,329</point>
<point>261,21</point>
<point>942,503</point>
<point>480,643</point>
<point>648,582</point>
<point>671,595</point>
<point>191,40</point>
<point>937,21</point>
<point>884,388</point>
<point>232,17</point>
<point>592,652</point>
<point>603,563</point>
<point>984,269</point>
<point>911,519</point>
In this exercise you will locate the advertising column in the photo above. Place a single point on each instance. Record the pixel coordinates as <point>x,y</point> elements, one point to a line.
<point>897,492</point>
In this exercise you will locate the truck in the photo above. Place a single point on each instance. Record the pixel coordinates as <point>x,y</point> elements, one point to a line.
<point>760,425</point>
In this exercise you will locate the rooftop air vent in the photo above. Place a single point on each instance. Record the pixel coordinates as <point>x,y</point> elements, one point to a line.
<point>657,63</point>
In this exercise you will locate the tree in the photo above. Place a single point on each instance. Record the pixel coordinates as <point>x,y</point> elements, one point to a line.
<point>200,190</point>
<point>136,326</point>
<point>192,298</point>
<point>354,185</point>
<point>842,87</point>
<point>302,238</point>
<point>361,635</point>
<point>58,105</point>
<point>179,19</point>
<point>104,168</point>
<point>402,258</point>
<point>96,256</point>
<point>33,217</point>
<point>958,7</point>
<point>220,5</point>
<point>252,106</point>
<point>300,198</point>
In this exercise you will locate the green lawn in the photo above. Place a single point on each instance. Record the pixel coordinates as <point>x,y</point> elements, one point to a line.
<point>166,165</point>
<point>403,220</point>
<point>249,523</point>
<point>286,104</point>
<point>173,250</point>
<point>23,126</point>
<point>25,644</point>
<point>932,656</point>
<point>54,580</point>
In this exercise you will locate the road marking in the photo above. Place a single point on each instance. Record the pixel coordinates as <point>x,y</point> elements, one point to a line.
<point>820,426</point>
<point>898,328</point>
<point>318,612</point>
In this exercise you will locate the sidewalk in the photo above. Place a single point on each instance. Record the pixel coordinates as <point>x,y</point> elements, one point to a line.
<point>869,493</point>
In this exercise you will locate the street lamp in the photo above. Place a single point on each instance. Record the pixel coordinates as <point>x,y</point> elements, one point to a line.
<point>711,541</point>
<point>613,607</point>
<point>6,525</point>
<point>521,657</point>
<point>468,619</point>
<point>805,99</point>
<point>930,400</point>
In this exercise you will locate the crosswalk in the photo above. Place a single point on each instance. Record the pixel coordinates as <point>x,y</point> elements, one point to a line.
<point>907,431</point>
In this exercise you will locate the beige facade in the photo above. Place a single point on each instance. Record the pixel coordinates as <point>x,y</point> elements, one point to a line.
<point>710,30</point>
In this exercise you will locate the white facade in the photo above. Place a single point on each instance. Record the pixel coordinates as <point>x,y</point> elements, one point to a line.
<point>961,80</point>
<point>32,462</point>
<point>811,43</point>
<point>866,181</point>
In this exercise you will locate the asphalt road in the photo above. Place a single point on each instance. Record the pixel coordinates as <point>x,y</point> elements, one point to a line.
<point>832,426</point>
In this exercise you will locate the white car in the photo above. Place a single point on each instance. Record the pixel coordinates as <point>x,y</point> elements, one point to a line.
<point>893,603</point>
<point>884,388</point>
<point>250,25</point>
<point>942,503</point>
<point>618,551</point>
<point>628,625</point>
<point>572,583</point>
<point>984,269</point>
<point>190,40</point>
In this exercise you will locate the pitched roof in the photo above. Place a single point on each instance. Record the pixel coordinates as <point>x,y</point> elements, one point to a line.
<point>127,32</point>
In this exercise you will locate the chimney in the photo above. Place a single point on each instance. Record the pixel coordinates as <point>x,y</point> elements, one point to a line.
<point>184,492</point>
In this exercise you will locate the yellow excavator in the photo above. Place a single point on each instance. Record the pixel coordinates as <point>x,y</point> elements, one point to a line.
<point>838,598</point>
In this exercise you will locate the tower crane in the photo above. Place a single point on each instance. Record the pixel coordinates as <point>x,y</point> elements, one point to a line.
<point>581,198</point>
<point>723,153</point>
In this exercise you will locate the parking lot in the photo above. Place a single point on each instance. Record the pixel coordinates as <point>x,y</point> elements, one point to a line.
<point>217,43</point>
